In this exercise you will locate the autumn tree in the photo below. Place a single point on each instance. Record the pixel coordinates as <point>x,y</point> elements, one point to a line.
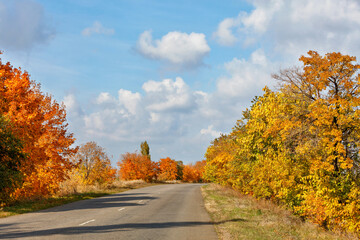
<point>330,84</point>
<point>200,168</point>
<point>39,122</point>
<point>145,149</point>
<point>167,169</point>
<point>194,172</point>
<point>134,166</point>
<point>189,174</point>
<point>218,157</point>
<point>300,145</point>
<point>93,164</point>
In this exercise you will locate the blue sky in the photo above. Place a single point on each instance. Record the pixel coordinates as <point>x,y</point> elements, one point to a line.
<point>174,73</point>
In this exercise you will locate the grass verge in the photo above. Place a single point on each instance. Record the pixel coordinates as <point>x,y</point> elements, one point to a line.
<point>242,217</point>
<point>86,193</point>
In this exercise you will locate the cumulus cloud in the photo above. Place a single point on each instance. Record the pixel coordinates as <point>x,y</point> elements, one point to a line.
<point>168,114</point>
<point>224,33</point>
<point>23,25</point>
<point>129,100</point>
<point>176,120</point>
<point>168,95</point>
<point>245,78</point>
<point>294,27</point>
<point>72,105</point>
<point>97,28</point>
<point>162,103</point>
<point>180,122</point>
<point>210,131</point>
<point>105,98</point>
<point>178,49</point>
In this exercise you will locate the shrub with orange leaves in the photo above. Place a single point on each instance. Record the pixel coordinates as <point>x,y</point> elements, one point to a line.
<point>194,173</point>
<point>189,174</point>
<point>167,169</point>
<point>134,166</point>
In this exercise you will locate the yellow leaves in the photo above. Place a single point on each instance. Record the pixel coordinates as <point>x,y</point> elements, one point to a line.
<point>300,145</point>
<point>93,165</point>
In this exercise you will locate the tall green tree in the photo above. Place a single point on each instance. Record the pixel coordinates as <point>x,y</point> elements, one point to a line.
<point>145,149</point>
<point>180,168</point>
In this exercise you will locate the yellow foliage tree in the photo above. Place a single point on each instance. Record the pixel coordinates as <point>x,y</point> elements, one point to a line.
<point>300,145</point>
<point>93,164</point>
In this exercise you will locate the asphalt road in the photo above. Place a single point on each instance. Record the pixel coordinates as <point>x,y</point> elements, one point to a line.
<point>173,211</point>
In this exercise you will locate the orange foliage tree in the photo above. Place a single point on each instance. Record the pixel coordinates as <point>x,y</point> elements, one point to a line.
<point>39,122</point>
<point>135,166</point>
<point>167,169</point>
<point>194,173</point>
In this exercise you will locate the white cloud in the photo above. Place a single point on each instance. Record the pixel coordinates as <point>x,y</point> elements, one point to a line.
<point>133,115</point>
<point>210,131</point>
<point>168,114</point>
<point>258,57</point>
<point>224,33</point>
<point>178,49</point>
<point>23,25</point>
<point>178,121</point>
<point>245,79</point>
<point>97,28</point>
<point>129,100</point>
<point>69,102</point>
<point>71,105</point>
<point>168,95</point>
<point>260,18</point>
<point>105,97</point>
<point>95,121</point>
<point>291,28</point>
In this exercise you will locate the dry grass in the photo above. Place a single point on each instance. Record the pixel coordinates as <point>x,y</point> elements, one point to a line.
<point>242,217</point>
<point>75,187</point>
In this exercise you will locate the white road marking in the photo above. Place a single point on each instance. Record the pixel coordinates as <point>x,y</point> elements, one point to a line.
<point>92,220</point>
<point>121,209</point>
<point>140,201</point>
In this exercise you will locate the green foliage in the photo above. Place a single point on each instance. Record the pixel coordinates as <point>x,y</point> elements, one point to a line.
<point>145,149</point>
<point>180,168</point>
<point>10,158</point>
